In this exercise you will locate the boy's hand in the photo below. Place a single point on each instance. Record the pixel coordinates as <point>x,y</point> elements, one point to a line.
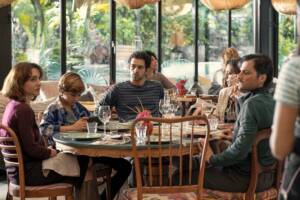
<point>80,124</point>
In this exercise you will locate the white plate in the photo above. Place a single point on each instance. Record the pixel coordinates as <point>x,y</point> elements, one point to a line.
<point>115,125</point>
<point>81,136</point>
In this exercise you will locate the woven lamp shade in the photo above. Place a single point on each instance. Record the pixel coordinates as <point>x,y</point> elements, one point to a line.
<point>135,4</point>
<point>5,2</point>
<point>218,5</point>
<point>287,7</point>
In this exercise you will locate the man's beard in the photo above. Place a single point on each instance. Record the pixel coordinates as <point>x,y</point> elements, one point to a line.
<point>137,78</point>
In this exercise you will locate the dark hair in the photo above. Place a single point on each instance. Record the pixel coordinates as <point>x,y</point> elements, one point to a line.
<point>235,64</point>
<point>141,55</point>
<point>151,53</point>
<point>262,64</point>
<point>13,86</point>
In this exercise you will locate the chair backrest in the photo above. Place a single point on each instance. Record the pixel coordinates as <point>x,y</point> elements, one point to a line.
<point>173,141</point>
<point>12,154</point>
<point>257,168</point>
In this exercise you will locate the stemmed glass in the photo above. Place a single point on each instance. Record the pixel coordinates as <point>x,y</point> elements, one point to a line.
<point>104,116</point>
<point>174,106</point>
<point>207,108</point>
<point>165,107</point>
<point>162,107</point>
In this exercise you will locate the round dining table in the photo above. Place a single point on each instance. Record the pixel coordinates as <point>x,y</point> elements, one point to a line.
<point>98,148</point>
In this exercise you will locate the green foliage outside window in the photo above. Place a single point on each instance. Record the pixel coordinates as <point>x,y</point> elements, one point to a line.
<point>36,31</point>
<point>287,40</point>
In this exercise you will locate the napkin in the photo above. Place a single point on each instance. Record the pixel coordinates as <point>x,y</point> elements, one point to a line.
<point>63,164</point>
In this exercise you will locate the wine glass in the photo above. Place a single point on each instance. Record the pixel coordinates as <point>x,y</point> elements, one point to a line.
<point>174,106</point>
<point>161,107</point>
<point>207,108</point>
<point>104,116</point>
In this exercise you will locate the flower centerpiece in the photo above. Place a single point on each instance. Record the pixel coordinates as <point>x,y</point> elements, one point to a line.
<point>142,113</point>
<point>180,85</point>
<point>149,125</point>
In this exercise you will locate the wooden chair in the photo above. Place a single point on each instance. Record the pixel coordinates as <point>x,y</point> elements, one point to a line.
<point>256,169</point>
<point>12,153</point>
<point>159,157</point>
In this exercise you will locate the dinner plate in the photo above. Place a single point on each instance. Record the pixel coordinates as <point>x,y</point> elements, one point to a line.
<point>116,137</point>
<point>81,136</point>
<point>126,140</point>
<point>107,140</point>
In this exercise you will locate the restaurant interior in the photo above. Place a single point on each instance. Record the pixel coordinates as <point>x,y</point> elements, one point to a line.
<point>95,39</point>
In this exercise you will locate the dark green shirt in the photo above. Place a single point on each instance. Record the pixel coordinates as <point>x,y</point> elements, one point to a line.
<point>256,113</point>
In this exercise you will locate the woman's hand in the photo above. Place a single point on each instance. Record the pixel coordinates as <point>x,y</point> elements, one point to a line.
<point>234,92</point>
<point>232,80</point>
<point>53,152</point>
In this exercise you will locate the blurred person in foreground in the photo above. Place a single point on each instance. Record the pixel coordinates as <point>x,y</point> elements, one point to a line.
<point>285,138</point>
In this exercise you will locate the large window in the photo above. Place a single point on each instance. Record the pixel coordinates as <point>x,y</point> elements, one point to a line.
<point>287,37</point>
<point>242,29</point>
<point>35,35</point>
<point>213,38</point>
<point>178,39</point>
<point>135,30</point>
<point>88,40</point>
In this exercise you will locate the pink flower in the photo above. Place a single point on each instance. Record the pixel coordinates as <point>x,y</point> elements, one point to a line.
<point>180,87</point>
<point>142,114</point>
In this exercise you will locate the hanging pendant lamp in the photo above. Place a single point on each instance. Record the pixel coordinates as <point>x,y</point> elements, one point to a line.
<point>287,7</point>
<point>218,5</point>
<point>5,2</point>
<point>135,4</point>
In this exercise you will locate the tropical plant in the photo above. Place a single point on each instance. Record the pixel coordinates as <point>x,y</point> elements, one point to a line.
<point>287,40</point>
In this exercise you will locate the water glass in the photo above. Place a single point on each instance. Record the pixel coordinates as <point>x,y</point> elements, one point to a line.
<point>141,134</point>
<point>161,107</point>
<point>213,123</point>
<point>92,127</point>
<point>207,108</point>
<point>194,91</point>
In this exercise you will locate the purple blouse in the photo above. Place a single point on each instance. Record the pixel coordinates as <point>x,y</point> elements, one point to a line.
<point>20,118</point>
